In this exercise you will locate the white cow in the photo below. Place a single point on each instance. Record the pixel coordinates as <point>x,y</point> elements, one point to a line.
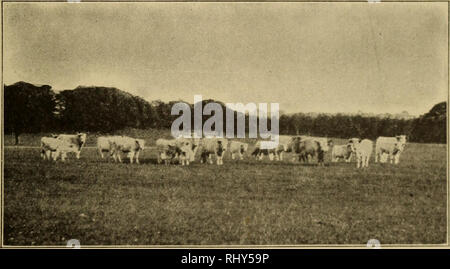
<point>389,148</point>
<point>324,142</point>
<point>213,145</point>
<point>183,149</point>
<point>76,141</point>
<point>341,152</point>
<point>56,147</point>
<point>105,143</point>
<point>129,145</point>
<point>239,148</point>
<point>362,150</point>
<point>276,150</point>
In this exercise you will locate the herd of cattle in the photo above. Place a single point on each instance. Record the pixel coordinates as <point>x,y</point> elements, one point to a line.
<point>303,148</point>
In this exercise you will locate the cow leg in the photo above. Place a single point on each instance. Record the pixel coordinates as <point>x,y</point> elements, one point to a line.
<point>78,154</point>
<point>348,158</point>
<point>396,158</point>
<point>277,157</point>
<point>136,156</point>
<point>241,156</point>
<point>210,158</point>
<point>48,153</point>
<point>232,156</point>
<point>261,155</point>
<point>281,156</point>
<point>100,151</point>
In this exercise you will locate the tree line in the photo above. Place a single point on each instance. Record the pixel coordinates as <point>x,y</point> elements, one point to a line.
<point>30,109</point>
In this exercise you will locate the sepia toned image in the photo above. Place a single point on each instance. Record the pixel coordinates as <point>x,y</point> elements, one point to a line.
<point>224,124</point>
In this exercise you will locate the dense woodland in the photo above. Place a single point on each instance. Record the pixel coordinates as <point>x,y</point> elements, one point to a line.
<point>31,109</point>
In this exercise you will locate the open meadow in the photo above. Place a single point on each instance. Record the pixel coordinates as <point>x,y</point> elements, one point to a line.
<point>245,202</point>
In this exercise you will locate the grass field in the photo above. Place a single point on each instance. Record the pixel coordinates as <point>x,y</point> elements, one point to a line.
<point>240,203</point>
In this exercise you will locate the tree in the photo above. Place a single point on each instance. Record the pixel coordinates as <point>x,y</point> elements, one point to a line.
<point>28,108</point>
<point>431,127</point>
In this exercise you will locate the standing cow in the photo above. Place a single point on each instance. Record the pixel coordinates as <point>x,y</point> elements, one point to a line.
<point>51,146</point>
<point>390,147</point>
<point>183,149</point>
<point>104,144</point>
<point>308,148</point>
<point>212,145</point>
<point>362,149</point>
<point>273,150</point>
<point>128,145</point>
<point>76,141</point>
<point>238,148</point>
<point>325,142</point>
<point>341,152</point>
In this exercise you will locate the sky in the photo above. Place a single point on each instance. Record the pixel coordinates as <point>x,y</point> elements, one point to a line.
<point>308,57</point>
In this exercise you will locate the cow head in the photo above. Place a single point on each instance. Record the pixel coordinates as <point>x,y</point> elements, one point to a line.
<point>324,143</point>
<point>82,138</point>
<point>186,150</point>
<point>140,144</point>
<point>351,147</point>
<point>401,142</point>
<point>243,148</point>
<point>354,140</point>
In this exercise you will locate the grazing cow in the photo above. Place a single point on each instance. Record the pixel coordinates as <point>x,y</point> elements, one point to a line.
<point>56,147</point>
<point>77,141</point>
<point>259,152</point>
<point>125,144</point>
<point>104,144</point>
<point>167,150</point>
<point>213,145</point>
<point>276,152</point>
<point>239,148</point>
<point>390,147</point>
<point>183,149</point>
<point>307,148</point>
<point>362,150</point>
<point>325,143</point>
<point>341,152</point>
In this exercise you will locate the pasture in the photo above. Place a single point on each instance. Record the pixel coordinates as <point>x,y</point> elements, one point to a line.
<point>245,202</point>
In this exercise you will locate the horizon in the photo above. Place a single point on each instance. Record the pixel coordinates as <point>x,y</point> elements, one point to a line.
<point>309,60</point>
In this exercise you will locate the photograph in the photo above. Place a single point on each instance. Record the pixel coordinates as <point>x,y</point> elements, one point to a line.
<point>224,125</point>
